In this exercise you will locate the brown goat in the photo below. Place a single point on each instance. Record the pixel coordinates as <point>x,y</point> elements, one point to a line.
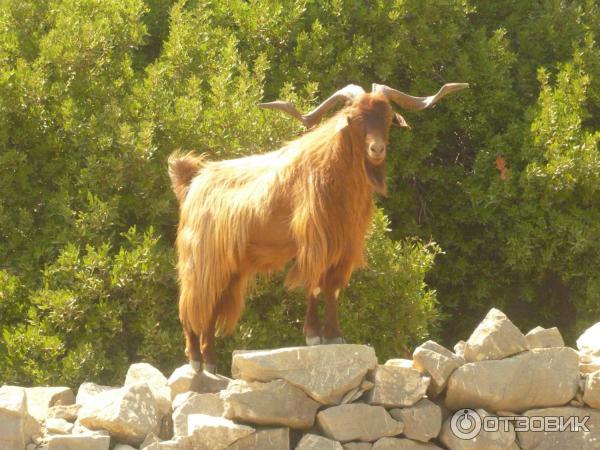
<point>311,201</point>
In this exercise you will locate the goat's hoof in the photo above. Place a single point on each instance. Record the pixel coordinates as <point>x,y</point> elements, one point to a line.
<point>313,340</point>
<point>196,365</point>
<point>210,368</point>
<point>335,340</point>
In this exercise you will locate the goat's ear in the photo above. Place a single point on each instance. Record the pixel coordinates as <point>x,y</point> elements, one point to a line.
<point>341,123</point>
<point>399,121</point>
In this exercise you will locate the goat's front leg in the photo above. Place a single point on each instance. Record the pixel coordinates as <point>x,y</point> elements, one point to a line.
<point>335,280</point>
<point>208,348</point>
<point>192,349</point>
<point>312,323</point>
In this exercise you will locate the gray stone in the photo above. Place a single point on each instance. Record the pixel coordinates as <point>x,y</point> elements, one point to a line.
<point>273,403</point>
<point>422,421</point>
<point>157,382</point>
<point>17,426</point>
<point>326,373</point>
<point>547,440</point>
<point>186,379</point>
<point>58,426</point>
<point>39,399</point>
<point>389,443</point>
<point>357,422</point>
<point>589,342</point>
<point>88,391</point>
<point>67,412</point>
<point>489,440</point>
<point>399,362</point>
<point>215,433</point>
<point>265,439</point>
<point>129,413</point>
<point>358,446</point>
<point>459,348</point>
<point>437,361</point>
<point>496,337</point>
<point>397,386</point>
<point>537,378</point>
<point>315,442</point>
<point>78,442</point>
<point>208,404</point>
<point>591,393</point>
<point>544,338</point>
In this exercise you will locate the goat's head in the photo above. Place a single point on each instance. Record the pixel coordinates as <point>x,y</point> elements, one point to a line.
<point>371,114</point>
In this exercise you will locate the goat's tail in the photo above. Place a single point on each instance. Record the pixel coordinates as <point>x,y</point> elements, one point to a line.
<point>183,167</point>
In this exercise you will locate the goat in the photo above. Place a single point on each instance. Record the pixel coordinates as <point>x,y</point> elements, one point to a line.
<point>311,201</point>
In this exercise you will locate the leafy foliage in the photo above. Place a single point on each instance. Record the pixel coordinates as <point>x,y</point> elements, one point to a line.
<point>94,95</point>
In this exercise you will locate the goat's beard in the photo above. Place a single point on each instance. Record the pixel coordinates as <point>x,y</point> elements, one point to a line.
<point>376,175</point>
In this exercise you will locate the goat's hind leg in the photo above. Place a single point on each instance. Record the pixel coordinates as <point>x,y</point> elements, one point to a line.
<point>335,280</point>
<point>192,349</point>
<point>208,348</point>
<point>312,323</point>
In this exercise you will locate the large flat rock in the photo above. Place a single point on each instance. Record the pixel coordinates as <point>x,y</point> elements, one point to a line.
<point>17,426</point>
<point>39,399</point>
<point>78,442</point>
<point>273,403</point>
<point>357,422</point>
<point>422,421</point>
<point>555,440</point>
<point>215,433</point>
<point>324,372</point>
<point>537,378</point>
<point>129,413</point>
<point>157,382</point>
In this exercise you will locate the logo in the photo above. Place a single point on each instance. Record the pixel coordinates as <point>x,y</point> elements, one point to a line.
<point>465,424</point>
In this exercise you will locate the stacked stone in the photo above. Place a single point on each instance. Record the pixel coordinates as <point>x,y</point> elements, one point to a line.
<point>327,397</point>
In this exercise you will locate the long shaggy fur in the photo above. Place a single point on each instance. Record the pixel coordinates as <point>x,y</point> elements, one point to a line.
<point>311,201</point>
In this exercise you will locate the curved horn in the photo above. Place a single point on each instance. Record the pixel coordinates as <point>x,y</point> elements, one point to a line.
<point>313,117</point>
<point>417,103</point>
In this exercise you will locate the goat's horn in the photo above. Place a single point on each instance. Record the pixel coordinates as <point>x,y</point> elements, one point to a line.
<point>416,103</point>
<point>313,117</point>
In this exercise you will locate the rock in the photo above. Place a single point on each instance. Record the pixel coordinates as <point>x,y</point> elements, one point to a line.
<point>397,386</point>
<point>17,426</point>
<point>357,422</point>
<point>325,372</point>
<point>129,413</point>
<point>214,433</point>
<point>157,382</point>
<point>537,378</point>
<point>588,363</point>
<point>589,341</point>
<point>124,447</point>
<point>389,443</point>
<point>78,442</point>
<point>496,337</point>
<point>273,403</point>
<point>266,439</point>
<point>399,362</point>
<point>67,412</point>
<point>58,426</point>
<point>550,440</point>
<point>207,404</point>
<point>544,338</point>
<point>315,442</point>
<point>591,393</point>
<point>358,446</point>
<point>437,361</point>
<point>88,390</point>
<point>180,399</point>
<point>78,428</point>
<point>488,440</point>
<point>39,399</point>
<point>185,379</point>
<point>422,421</point>
<point>459,348</point>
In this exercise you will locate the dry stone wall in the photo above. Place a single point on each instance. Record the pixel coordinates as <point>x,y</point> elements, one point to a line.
<point>334,397</point>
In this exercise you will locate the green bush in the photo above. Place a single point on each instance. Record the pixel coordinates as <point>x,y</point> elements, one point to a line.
<point>95,94</point>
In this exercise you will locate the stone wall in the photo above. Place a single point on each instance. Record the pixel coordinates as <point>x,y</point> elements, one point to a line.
<point>333,397</point>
